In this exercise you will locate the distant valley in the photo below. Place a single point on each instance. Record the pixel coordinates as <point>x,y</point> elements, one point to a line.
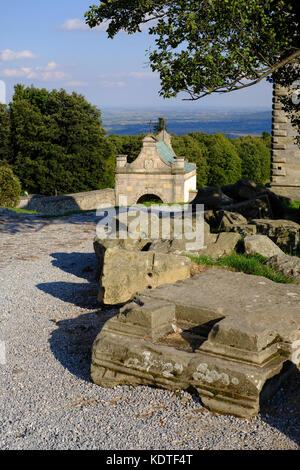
<point>233,123</point>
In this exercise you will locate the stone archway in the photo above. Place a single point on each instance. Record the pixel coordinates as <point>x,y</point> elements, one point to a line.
<point>148,196</point>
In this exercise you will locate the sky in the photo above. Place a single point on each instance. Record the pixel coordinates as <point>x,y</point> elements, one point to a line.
<point>47,44</point>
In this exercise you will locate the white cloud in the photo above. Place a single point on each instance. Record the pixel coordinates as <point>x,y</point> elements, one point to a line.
<point>53,76</point>
<point>75,24</point>
<point>48,73</point>
<point>51,66</point>
<point>20,72</point>
<point>8,55</point>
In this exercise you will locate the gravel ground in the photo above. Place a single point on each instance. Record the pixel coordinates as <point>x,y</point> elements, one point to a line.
<point>49,319</point>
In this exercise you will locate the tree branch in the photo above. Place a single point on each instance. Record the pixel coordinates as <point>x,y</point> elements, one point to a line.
<point>233,87</point>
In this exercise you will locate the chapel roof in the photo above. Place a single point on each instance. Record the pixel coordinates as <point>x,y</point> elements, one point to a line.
<point>168,155</point>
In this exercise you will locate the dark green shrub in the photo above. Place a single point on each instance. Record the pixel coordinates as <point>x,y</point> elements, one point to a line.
<point>10,187</point>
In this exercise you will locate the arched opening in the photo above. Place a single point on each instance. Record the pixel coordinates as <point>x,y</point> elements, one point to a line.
<point>149,199</point>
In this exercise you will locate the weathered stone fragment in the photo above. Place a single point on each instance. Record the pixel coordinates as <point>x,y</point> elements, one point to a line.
<point>261,245</point>
<point>287,265</point>
<point>245,189</point>
<point>224,245</point>
<point>242,229</point>
<point>101,245</point>
<point>212,218</point>
<point>253,208</point>
<point>235,222</point>
<point>231,218</point>
<point>216,245</point>
<point>228,335</point>
<point>285,233</point>
<point>126,272</point>
<point>212,197</point>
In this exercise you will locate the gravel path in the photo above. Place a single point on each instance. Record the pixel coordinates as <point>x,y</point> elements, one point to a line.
<point>49,319</point>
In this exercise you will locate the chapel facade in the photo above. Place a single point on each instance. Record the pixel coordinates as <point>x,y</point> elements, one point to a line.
<point>157,173</point>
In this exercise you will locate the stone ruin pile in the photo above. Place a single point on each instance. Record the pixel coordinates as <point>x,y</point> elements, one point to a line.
<point>230,336</point>
<point>225,334</point>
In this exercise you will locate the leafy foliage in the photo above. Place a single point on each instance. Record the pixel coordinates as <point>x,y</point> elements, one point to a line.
<point>5,135</point>
<point>195,151</point>
<point>129,145</point>
<point>213,46</point>
<point>10,187</point>
<point>56,144</point>
<point>59,144</point>
<point>209,45</point>
<point>223,160</point>
<point>255,158</point>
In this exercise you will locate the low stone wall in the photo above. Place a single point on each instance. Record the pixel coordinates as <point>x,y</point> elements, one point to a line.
<point>68,202</point>
<point>290,192</point>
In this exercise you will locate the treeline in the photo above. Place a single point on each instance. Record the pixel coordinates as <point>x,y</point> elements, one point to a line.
<point>56,144</point>
<point>219,160</point>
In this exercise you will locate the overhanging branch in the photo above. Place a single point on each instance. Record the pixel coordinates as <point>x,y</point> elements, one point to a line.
<point>233,86</point>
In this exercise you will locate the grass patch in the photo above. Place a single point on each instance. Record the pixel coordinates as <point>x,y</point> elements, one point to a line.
<point>291,204</point>
<point>249,264</point>
<point>20,211</point>
<point>291,209</point>
<point>49,216</point>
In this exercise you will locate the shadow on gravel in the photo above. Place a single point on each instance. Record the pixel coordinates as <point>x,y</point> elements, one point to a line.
<point>282,411</point>
<point>12,222</point>
<point>82,265</point>
<point>71,343</point>
<point>80,294</point>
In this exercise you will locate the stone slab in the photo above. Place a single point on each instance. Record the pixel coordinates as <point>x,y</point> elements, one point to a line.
<point>126,272</point>
<point>228,335</point>
<point>262,245</point>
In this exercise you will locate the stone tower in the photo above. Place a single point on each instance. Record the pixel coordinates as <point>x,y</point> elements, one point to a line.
<point>285,172</point>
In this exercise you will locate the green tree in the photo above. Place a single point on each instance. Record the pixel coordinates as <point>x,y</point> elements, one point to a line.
<point>10,187</point>
<point>129,145</point>
<point>5,135</point>
<point>195,152</point>
<point>255,157</point>
<point>224,163</point>
<point>209,46</point>
<point>59,143</point>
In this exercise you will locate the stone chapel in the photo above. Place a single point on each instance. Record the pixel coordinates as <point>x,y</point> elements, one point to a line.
<point>156,174</point>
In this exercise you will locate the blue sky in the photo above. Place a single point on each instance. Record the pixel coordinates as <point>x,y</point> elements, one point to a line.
<point>48,45</point>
